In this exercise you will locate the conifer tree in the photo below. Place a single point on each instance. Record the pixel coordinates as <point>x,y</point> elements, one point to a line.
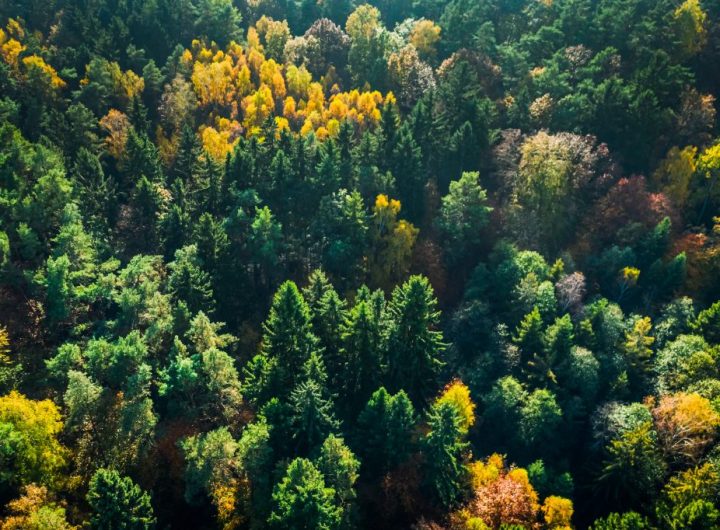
<point>415,346</point>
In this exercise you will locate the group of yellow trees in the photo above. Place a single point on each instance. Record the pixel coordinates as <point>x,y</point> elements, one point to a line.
<point>30,67</point>
<point>241,87</point>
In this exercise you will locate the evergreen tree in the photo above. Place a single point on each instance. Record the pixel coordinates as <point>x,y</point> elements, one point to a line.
<point>312,416</point>
<point>117,502</point>
<point>363,351</point>
<point>288,342</point>
<point>303,501</point>
<point>444,448</point>
<point>385,427</point>
<point>414,345</point>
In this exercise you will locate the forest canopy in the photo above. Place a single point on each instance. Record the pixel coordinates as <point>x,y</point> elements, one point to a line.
<point>335,265</point>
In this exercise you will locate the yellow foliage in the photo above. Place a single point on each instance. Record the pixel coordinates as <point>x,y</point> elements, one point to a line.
<point>10,52</point>
<point>242,84</point>
<point>501,496</point>
<point>458,394</point>
<point>425,36</point>
<point>675,172</point>
<point>35,511</point>
<point>690,21</point>
<point>35,63</point>
<point>257,107</point>
<point>630,275</point>
<point>638,341</point>
<point>220,142</point>
<point>131,85</point>
<point>15,29</point>
<point>686,425</point>
<point>363,22</point>
<point>483,473</point>
<point>557,512</point>
<point>253,40</point>
<point>225,499</point>
<point>213,82</point>
<point>709,161</point>
<point>394,241</point>
<point>39,456</point>
<point>298,81</point>
<point>117,125</point>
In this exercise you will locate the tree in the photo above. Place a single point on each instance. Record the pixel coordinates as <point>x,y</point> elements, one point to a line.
<point>690,25</point>
<point>501,496</point>
<point>189,282</point>
<point>366,58</point>
<point>340,468</point>
<point>342,227</point>
<point>393,240</point>
<point>707,323</point>
<point>414,345</point>
<point>10,372</point>
<point>288,342</point>
<point>634,467</point>
<point>218,21</point>
<point>624,521</point>
<point>444,448</point>
<point>35,510</point>
<point>457,394</point>
<point>554,175</point>
<point>463,215</point>
<point>117,502</point>
<point>688,499</point>
<point>363,336</point>
<point>212,470</point>
<point>312,416</point>
<point>30,451</point>
<point>385,428</point>
<point>303,501</point>
<point>686,425</point>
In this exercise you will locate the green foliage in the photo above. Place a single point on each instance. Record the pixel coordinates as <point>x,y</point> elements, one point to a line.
<point>117,502</point>
<point>444,448</point>
<point>463,215</point>
<point>302,500</point>
<point>414,345</point>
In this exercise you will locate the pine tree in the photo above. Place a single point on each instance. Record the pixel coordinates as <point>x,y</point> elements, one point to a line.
<point>444,448</point>
<point>363,349</point>
<point>414,345</point>
<point>384,431</point>
<point>117,502</point>
<point>312,416</point>
<point>189,282</point>
<point>288,342</point>
<point>303,501</point>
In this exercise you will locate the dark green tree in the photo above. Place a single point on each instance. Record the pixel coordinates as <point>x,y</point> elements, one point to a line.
<point>117,502</point>
<point>302,500</point>
<point>444,450</point>
<point>415,346</point>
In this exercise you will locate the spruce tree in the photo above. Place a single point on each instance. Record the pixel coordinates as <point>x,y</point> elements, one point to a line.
<point>117,502</point>
<point>415,346</point>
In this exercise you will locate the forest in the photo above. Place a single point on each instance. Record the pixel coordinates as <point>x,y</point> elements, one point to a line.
<point>359,264</point>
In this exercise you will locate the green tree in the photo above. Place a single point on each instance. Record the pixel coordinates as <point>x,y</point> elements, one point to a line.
<point>117,502</point>
<point>302,501</point>
<point>189,282</point>
<point>463,215</point>
<point>363,335</point>
<point>415,345</point>
<point>444,450</point>
<point>288,342</point>
<point>340,468</point>
<point>384,431</point>
<point>313,418</point>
